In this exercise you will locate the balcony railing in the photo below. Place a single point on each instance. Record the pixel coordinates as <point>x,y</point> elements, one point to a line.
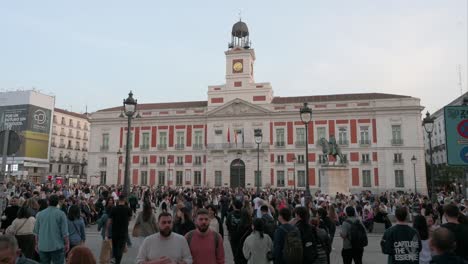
<point>279,162</point>
<point>365,161</point>
<point>78,137</point>
<point>53,144</point>
<point>398,161</point>
<point>364,142</point>
<point>239,145</point>
<point>102,164</point>
<point>322,161</point>
<point>397,141</point>
<point>179,164</point>
<point>280,144</point>
<point>104,148</point>
<point>144,164</point>
<point>62,145</point>
<point>62,134</point>
<point>179,146</point>
<point>85,138</point>
<point>84,149</point>
<point>144,147</point>
<point>69,147</point>
<point>54,132</point>
<point>77,148</point>
<point>300,143</point>
<point>197,146</point>
<point>162,146</point>
<point>70,135</point>
<point>197,164</point>
<point>300,161</point>
<point>161,163</point>
<point>343,142</point>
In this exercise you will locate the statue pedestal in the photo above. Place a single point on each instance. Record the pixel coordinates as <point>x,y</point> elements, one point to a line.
<point>333,179</point>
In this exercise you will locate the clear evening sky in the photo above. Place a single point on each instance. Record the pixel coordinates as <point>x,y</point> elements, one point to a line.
<point>93,52</point>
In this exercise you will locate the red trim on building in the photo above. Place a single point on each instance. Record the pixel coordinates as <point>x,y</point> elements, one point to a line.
<point>298,106</point>
<point>312,176</point>
<point>154,134</point>
<point>259,86</point>
<point>119,177</point>
<point>374,156</point>
<point>164,112</point>
<point>180,127</point>
<point>121,136</point>
<point>135,177</point>
<point>137,137</point>
<point>331,158</point>
<point>120,159</point>
<point>146,128</point>
<point>311,132</point>
<point>188,158</point>
<point>204,158</point>
<point>321,122</point>
<point>374,131</point>
<point>217,89</point>
<point>171,136</point>
<point>298,123</point>
<point>311,157</point>
<point>272,157</point>
<point>189,136</point>
<point>146,113</point>
<point>152,177</point>
<point>163,127</point>
<point>331,127</point>
<point>206,135</point>
<point>353,131</point>
<point>290,133</point>
<point>280,123</point>
<point>342,121</point>
<point>272,176</point>
<point>279,108</point>
<point>289,157</point>
<point>217,100</point>
<point>271,133</point>
<point>259,98</point>
<point>198,126</point>
<point>237,84</point>
<point>354,156</point>
<point>355,176</point>
<point>341,105</point>
<point>363,121</point>
<point>320,106</point>
<point>136,159</point>
<point>153,159</point>
<point>376,176</point>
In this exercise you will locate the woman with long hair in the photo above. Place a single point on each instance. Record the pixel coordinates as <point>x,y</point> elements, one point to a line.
<point>420,224</point>
<point>244,229</point>
<point>257,245</point>
<point>215,221</point>
<point>76,227</point>
<point>146,223</point>
<point>81,255</point>
<point>183,222</point>
<point>22,228</point>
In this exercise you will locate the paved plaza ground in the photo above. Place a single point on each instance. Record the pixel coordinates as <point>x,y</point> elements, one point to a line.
<point>372,253</point>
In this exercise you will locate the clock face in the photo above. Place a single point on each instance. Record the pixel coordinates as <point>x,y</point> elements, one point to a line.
<point>237,67</point>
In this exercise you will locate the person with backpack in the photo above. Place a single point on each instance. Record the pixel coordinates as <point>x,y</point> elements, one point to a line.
<point>401,242</point>
<point>354,237</point>
<point>232,222</point>
<point>269,222</point>
<point>287,243</point>
<point>315,244</point>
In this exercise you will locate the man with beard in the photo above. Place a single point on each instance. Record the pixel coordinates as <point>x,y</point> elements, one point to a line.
<point>205,244</point>
<point>164,247</point>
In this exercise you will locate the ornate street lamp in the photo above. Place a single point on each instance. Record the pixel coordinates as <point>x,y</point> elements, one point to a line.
<point>294,172</point>
<point>119,153</point>
<point>413,160</point>
<point>428,124</point>
<point>258,140</point>
<point>130,105</point>
<point>306,117</point>
<point>239,156</point>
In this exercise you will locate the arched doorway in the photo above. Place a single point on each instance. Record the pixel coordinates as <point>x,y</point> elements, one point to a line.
<point>237,173</point>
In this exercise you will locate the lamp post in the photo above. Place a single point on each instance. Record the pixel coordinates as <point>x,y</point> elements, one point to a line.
<point>294,172</point>
<point>306,117</point>
<point>428,124</point>
<point>129,108</point>
<point>239,155</point>
<point>119,153</point>
<point>413,160</point>
<point>258,139</point>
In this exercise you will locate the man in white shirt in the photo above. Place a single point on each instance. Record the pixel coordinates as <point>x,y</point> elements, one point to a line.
<point>164,247</point>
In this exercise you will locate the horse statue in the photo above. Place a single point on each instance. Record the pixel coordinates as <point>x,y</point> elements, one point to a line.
<point>331,148</point>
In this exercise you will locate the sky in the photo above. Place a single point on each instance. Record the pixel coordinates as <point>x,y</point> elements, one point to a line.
<point>91,53</point>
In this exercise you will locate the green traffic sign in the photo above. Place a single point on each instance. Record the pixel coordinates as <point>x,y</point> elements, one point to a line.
<point>456,135</point>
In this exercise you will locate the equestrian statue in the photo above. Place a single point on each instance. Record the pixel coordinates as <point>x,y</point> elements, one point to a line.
<point>331,148</point>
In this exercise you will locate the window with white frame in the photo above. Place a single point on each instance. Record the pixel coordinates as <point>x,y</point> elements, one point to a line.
<point>300,159</point>
<point>179,178</point>
<point>280,137</point>
<point>144,160</point>
<point>198,139</point>
<point>397,158</point>
<point>365,158</point>
<point>321,132</point>
<point>198,160</point>
<point>218,178</point>
<point>280,159</point>
<point>342,136</point>
<point>163,139</point>
<point>301,178</point>
<point>145,142</point>
<point>280,178</point>
<point>144,178</point>
<point>180,139</point>
<point>180,160</point>
<point>366,178</point>
<point>197,178</point>
<point>399,179</point>
<point>365,139</point>
<point>161,178</point>
<point>300,136</point>
<point>396,135</point>
<point>162,160</point>
<point>105,141</point>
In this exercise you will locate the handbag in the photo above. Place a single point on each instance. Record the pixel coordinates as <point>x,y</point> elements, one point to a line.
<point>106,251</point>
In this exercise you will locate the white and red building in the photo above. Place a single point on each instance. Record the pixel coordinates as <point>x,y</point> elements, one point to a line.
<point>211,143</point>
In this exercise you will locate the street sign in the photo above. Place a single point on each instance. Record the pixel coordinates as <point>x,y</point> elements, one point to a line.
<point>456,135</point>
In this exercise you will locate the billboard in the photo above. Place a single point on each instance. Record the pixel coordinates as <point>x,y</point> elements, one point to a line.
<point>456,134</point>
<point>32,123</point>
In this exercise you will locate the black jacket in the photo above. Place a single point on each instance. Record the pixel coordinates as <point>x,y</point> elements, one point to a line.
<point>183,228</point>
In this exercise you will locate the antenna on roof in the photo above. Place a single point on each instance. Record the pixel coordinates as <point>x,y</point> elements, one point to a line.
<point>240,15</point>
<point>460,79</point>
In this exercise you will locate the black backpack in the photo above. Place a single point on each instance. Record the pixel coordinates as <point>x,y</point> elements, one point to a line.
<point>270,225</point>
<point>357,234</point>
<point>292,249</point>
<point>234,221</point>
<point>310,243</point>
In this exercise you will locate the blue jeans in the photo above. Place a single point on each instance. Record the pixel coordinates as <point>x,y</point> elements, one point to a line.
<point>55,257</point>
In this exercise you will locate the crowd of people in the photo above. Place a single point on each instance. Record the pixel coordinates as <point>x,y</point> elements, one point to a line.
<point>47,223</point>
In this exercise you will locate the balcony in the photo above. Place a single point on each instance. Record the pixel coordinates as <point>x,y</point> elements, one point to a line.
<point>322,160</point>
<point>69,147</point>
<point>240,145</point>
<point>144,164</point>
<point>54,132</point>
<point>102,164</point>
<point>365,162</point>
<point>179,146</point>
<point>364,142</point>
<point>179,164</point>
<point>62,145</point>
<point>77,148</point>
<point>397,141</point>
<point>300,143</point>
<point>162,163</point>
<point>85,138</point>
<point>300,162</point>
<point>53,144</point>
<point>197,146</point>
<point>398,161</point>
<point>84,149</point>
<point>63,134</point>
<point>280,144</point>
<point>104,148</point>
<point>78,137</point>
<point>162,146</point>
<point>197,164</point>
<point>279,162</point>
<point>70,136</point>
<point>144,147</point>
<point>343,142</point>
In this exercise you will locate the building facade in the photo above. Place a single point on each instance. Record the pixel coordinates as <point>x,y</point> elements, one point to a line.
<point>69,146</point>
<point>211,143</point>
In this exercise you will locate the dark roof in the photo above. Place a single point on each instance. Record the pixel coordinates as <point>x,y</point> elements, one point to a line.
<point>240,30</point>
<point>171,105</point>
<point>335,97</point>
<point>70,113</point>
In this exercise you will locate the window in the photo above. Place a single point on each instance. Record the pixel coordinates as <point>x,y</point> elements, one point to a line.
<point>103,179</point>
<point>50,166</point>
<point>280,178</point>
<point>301,180</point>
<point>399,180</point>
<point>322,159</point>
<point>179,178</point>
<point>218,132</point>
<point>144,178</point>
<point>197,178</point>
<point>180,140</point>
<point>70,122</point>
<point>78,134</point>
<point>161,178</point>
<point>198,160</point>
<point>365,158</point>
<point>103,162</point>
<point>280,137</point>
<point>145,142</point>
<point>396,135</point>
<point>162,140</point>
<point>63,121</point>
<point>345,158</point>
<point>280,159</point>
<point>342,136</point>
<point>398,158</point>
<point>218,178</point>
<point>366,178</point>
<point>144,160</point>
<point>258,178</point>
<point>365,136</point>
<point>300,136</point>
<point>198,140</point>
<point>77,145</point>
<point>321,132</point>
<point>59,168</point>
<point>55,119</point>
<point>180,160</point>
<point>105,142</point>
<point>162,160</point>
<point>300,159</point>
